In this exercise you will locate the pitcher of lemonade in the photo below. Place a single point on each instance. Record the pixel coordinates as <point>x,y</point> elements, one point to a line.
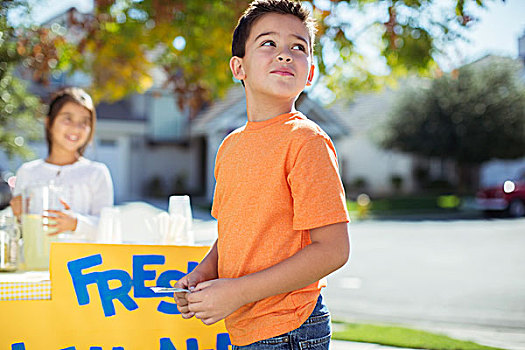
<point>36,200</point>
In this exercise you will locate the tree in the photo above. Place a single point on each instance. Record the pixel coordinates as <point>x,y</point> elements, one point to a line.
<point>122,40</point>
<point>470,116</point>
<point>18,108</point>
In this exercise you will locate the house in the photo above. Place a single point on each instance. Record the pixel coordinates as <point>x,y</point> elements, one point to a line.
<point>368,168</point>
<point>365,167</point>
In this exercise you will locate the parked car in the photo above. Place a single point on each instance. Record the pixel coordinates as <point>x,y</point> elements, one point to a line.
<point>508,197</point>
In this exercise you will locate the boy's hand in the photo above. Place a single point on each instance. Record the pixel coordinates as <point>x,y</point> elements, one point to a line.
<point>213,300</point>
<point>187,282</point>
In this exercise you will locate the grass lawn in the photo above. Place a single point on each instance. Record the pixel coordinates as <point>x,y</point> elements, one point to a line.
<point>405,205</point>
<point>401,337</point>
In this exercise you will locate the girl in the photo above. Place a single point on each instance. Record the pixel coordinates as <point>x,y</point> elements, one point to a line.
<point>69,127</point>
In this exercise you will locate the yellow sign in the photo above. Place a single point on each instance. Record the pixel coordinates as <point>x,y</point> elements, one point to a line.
<point>101,299</point>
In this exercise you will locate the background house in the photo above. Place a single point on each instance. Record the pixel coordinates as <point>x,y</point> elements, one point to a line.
<point>365,167</point>
<point>369,168</point>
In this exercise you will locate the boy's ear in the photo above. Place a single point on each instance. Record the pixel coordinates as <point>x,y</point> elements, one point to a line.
<point>310,76</point>
<point>237,68</point>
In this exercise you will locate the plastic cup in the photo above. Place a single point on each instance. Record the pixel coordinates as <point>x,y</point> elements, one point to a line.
<point>180,214</point>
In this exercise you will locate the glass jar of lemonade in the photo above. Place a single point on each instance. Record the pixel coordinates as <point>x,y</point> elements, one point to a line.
<point>37,199</point>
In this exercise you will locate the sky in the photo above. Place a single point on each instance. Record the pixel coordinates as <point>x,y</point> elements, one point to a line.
<point>497,31</point>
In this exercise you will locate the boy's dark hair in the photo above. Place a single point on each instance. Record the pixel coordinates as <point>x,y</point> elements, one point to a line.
<point>259,8</point>
<point>58,100</point>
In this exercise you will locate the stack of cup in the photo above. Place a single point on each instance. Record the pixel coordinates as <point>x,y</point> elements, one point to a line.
<point>181,219</point>
<point>109,226</point>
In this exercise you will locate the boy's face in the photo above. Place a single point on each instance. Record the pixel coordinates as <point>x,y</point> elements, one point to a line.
<point>277,58</point>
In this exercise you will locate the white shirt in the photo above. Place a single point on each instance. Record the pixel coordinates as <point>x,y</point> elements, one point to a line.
<point>88,182</point>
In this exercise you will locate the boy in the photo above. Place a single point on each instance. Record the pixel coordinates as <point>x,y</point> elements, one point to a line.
<point>279,201</point>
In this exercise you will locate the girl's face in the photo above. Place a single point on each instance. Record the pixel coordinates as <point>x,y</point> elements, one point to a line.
<point>71,128</point>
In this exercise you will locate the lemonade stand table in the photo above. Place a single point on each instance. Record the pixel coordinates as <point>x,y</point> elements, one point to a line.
<point>100,299</point>
<point>31,285</point>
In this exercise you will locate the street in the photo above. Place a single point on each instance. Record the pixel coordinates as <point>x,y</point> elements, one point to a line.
<point>462,278</point>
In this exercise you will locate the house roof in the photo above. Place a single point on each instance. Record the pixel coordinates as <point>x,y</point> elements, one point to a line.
<point>488,60</point>
<point>368,111</point>
<point>365,111</point>
<point>229,113</point>
<point>119,110</point>
<point>329,121</point>
<point>223,115</point>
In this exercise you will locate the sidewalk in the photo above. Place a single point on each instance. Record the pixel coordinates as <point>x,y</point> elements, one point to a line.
<point>351,345</point>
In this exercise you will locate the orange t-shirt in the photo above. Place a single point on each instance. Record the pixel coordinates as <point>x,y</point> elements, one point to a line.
<point>276,179</point>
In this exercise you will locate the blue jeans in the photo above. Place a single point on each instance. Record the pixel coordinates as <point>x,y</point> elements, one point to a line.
<point>313,334</point>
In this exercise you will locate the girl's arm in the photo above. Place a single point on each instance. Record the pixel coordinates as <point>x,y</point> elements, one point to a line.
<point>16,201</point>
<point>16,206</point>
<point>330,249</point>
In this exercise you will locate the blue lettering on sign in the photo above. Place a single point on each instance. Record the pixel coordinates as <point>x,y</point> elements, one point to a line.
<point>222,343</point>
<point>166,344</point>
<point>164,281</point>
<point>192,344</point>
<point>21,346</point>
<point>141,274</point>
<point>101,279</point>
